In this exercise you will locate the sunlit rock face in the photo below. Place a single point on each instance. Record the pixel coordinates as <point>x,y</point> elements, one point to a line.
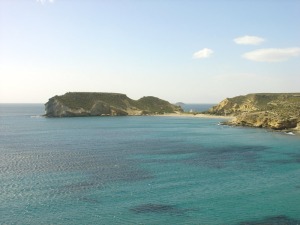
<point>74,104</point>
<point>277,111</point>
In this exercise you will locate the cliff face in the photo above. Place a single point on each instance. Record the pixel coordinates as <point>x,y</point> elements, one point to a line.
<point>105,104</point>
<point>275,111</point>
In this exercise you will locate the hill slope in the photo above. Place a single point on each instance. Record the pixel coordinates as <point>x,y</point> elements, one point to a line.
<point>100,104</point>
<point>276,111</point>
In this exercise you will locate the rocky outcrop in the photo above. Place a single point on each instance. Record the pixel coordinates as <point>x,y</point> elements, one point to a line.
<point>276,111</point>
<point>74,104</point>
<point>266,120</point>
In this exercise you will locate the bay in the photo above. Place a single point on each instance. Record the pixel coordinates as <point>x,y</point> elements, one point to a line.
<point>143,170</point>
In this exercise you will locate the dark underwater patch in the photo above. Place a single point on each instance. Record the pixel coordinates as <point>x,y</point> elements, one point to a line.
<point>219,157</point>
<point>101,178</point>
<point>157,209</point>
<point>80,186</point>
<point>216,157</point>
<point>281,161</point>
<point>121,172</point>
<point>273,220</point>
<point>164,146</point>
<point>153,208</point>
<point>90,200</point>
<point>294,158</point>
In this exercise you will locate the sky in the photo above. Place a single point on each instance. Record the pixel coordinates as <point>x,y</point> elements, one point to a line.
<point>192,51</point>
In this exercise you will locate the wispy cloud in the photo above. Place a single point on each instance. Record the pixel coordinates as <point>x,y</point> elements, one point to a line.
<point>204,53</point>
<point>272,54</point>
<point>249,40</point>
<point>45,1</point>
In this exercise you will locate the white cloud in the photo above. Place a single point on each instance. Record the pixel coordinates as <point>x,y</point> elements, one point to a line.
<point>204,53</point>
<point>248,40</point>
<point>44,1</point>
<point>272,54</point>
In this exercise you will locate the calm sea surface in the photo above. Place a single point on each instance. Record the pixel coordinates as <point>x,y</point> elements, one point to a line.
<point>196,107</point>
<point>144,170</point>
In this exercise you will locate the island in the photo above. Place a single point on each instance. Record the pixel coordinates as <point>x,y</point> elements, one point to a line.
<point>278,111</point>
<point>74,104</point>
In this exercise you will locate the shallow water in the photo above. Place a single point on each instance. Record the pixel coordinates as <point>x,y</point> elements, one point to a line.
<point>144,170</point>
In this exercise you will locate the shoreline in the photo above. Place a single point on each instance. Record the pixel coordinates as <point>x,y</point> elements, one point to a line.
<point>199,115</point>
<point>293,131</point>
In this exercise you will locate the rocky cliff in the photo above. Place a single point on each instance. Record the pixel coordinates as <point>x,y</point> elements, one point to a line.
<point>276,111</point>
<point>74,104</point>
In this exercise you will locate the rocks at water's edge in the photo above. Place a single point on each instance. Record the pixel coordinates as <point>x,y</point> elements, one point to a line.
<point>74,104</point>
<point>278,111</point>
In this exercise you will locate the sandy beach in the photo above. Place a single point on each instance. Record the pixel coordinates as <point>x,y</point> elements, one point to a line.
<point>200,115</point>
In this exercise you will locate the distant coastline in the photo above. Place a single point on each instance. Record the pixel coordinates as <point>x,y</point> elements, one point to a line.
<point>276,111</point>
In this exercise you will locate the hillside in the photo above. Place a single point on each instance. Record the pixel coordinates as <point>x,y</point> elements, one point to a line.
<point>108,104</point>
<point>276,111</point>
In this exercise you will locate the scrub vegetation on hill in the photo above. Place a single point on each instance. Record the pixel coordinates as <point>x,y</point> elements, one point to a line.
<point>99,104</point>
<point>273,110</point>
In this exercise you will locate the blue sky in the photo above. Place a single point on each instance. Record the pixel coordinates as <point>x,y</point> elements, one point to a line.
<point>189,51</point>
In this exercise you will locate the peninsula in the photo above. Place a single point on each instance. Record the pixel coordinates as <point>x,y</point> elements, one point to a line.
<point>74,104</point>
<point>278,111</point>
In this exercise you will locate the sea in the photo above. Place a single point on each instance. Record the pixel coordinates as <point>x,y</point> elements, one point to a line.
<point>144,170</point>
<point>196,107</point>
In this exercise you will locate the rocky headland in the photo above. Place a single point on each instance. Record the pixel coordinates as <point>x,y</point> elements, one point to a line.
<point>280,111</point>
<point>74,104</point>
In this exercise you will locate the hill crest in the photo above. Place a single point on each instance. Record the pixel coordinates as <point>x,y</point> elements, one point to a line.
<point>277,111</point>
<point>74,104</point>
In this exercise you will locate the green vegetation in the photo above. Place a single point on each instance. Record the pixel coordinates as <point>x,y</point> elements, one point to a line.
<point>155,105</point>
<point>94,104</point>
<point>276,111</point>
<point>86,100</point>
<point>284,104</point>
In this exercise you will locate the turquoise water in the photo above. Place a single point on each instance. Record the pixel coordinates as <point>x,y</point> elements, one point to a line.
<point>144,170</point>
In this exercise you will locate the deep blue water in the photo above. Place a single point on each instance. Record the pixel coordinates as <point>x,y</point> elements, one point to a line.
<point>144,170</point>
